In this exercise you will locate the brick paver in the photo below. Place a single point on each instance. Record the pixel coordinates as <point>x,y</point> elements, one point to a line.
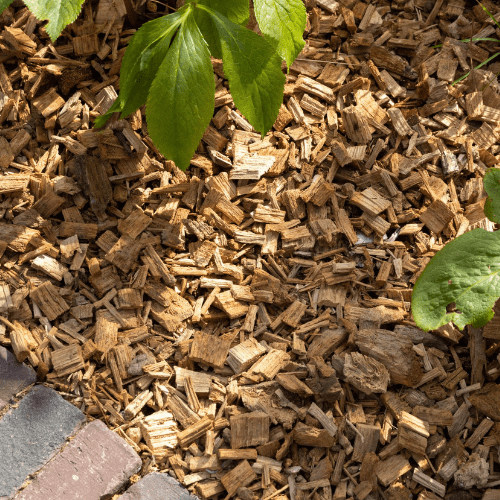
<point>95,463</point>
<point>32,433</point>
<point>157,486</point>
<point>14,376</point>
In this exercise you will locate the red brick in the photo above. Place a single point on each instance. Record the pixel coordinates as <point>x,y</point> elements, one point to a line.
<point>96,463</point>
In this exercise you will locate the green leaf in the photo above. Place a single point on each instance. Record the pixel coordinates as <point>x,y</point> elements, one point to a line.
<point>282,22</point>
<point>181,99</point>
<point>145,52</point>
<point>253,69</point>
<point>143,57</point>
<point>465,273</point>
<point>237,11</point>
<point>491,182</point>
<point>60,13</point>
<point>4,4</point>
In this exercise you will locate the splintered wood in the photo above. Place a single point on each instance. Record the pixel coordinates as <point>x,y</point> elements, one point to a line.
<point>246,326</point>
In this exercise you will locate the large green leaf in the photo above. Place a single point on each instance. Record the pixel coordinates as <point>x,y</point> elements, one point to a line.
<point>181,99</point>
<point>491,182</point>
<point>4,4</point>
<point>282,22</point>
<point>59,13</point>
<point>253,69</point>
<point>145,52</point>
<point>465,273</point>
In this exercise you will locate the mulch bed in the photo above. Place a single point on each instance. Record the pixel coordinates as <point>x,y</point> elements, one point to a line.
<point>246,325</point>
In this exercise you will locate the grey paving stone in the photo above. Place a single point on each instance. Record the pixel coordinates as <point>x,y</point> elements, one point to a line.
<point>14,376</point>
<point>157,486</point>
<point>33,433</point>
<point>97,462</point>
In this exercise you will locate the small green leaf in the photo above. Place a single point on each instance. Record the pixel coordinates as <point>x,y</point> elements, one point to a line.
<point>491,182</point>
<point>181,99</point>
<point>465,273</point>
<point>60,13</point>
<point>4,4</point>
<point>253,69</point>
<point>282,22</point>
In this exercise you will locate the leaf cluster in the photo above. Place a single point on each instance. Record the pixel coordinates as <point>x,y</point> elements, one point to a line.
<point>167,67</point>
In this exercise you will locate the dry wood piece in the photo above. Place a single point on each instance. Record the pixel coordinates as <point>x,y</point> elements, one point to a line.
<point>437,216</point>
<point>367,438</point>
<point>159,431</point>
<point>370,202</point>
<point>244,355</point>
<point>394,352</point>
<point>251,429</point>
<point>305,435</point>
<point>365,373</point>
<point>49,301</point>
<point>67,360</point>
<point>240,476</point>
<point>210,350</point>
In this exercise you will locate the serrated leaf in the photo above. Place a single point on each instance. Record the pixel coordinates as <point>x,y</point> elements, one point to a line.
<point>253,70</point>
<point>491,182</point>
<point>59,13</point>
<point>465,273</point>
<point>283,23</point>
<point>4,4</point>
<point>181,99</point>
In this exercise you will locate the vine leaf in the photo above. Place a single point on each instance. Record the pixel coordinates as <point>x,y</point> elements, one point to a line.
<point>181,99</point>
<point>491,182</point>
<point>463,276</point>
<point>282,22</point>
<point>59,13</point>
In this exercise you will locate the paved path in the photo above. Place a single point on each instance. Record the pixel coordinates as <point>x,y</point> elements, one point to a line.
<point>73,460</point>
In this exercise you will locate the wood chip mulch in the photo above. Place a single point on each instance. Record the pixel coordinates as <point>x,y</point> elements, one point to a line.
<point>246,325</point>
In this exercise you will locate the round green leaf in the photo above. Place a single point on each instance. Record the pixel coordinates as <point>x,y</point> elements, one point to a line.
<point>463,277</point>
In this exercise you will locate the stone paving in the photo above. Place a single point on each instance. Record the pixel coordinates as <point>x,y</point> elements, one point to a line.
<point>50,452</point>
